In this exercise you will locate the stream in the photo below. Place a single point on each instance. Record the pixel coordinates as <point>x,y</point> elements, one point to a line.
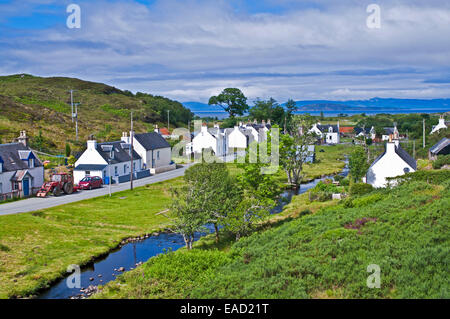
<point>131,255</point>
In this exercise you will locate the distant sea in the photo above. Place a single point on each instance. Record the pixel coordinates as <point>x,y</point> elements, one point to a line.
<point>351,107</point>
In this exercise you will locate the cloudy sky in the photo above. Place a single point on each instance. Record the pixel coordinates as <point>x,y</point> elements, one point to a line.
<point>189,50</point>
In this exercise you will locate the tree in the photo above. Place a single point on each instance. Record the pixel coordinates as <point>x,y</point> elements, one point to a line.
<point>232,100</point>
<point>291,108</point>
<point>68,150</point>
<point>215,190</point>
<point>294,148</point>
<point>259,193</point>
<point>270,109</point>
<point>186,218</point>
<point>358,164</point>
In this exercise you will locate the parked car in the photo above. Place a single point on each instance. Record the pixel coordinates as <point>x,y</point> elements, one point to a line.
<point>90,182</point>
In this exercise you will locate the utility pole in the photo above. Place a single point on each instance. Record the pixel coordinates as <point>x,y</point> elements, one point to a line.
<point>423,133</point>
<point>71,103</point>
<point>76,121</point>
<point>168,118</point>
<point>131,152</point>
<point>414,149</point>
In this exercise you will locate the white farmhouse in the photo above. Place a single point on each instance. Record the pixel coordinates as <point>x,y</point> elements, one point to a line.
<point>108,159</point>
<point>239,138</point>
<point>329,134</point>
<point>154,150</point>
<point>21,171</point>
<point>441,125</point>
<point>213,138</point>
<point>395,161</point>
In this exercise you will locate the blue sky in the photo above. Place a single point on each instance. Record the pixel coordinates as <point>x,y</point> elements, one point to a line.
<point>190,50</point>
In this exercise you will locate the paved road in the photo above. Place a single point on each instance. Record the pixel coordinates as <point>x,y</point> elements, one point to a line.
<point>32,204</point>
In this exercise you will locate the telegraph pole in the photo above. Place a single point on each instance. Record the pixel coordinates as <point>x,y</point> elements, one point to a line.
<point>131,152</point>
<point>76,121</point>
<point>71,103</point>
<point>168,118</point>
<point>423,133</point>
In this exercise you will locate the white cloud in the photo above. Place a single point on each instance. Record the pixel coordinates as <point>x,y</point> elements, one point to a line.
<point>158,49</point>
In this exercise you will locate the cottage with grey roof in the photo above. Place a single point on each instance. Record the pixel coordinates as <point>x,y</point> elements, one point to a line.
<point>21,171</point>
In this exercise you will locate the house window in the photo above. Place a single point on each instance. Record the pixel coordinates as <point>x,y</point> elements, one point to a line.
<point>1,187</point>
<point>125,168</point>
<point>1,167</point>
<point>157,155</point>
<point>116,171</point>
<point>87,173</point>
<point>31,163</point>
<point>15,186</point>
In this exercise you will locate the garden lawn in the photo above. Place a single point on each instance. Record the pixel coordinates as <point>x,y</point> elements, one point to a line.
<point>37,247</point>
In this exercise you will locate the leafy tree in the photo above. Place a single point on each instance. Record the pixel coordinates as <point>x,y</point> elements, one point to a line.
<point>358,163</point>
<point>270,109</point>
<point>39,141</point>
<point>215,189</point>
<point>291,108</point>
<point>293,148</point>
<point>232,100</point>
<point>186,218</point>
<point>68,150</point>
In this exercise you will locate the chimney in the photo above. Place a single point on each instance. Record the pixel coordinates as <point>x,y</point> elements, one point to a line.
<point>255,121</point>
<point>204,128</point>
<point>23,138</point>
<point>125,138</point>
<point>390,147</point>
<point>156,129</point>
<point>441,121</point>
<point>216,125</point>
<point>268,121</point>
<point>91,144</point>
<point>263,122</point>
<point>240,124</point>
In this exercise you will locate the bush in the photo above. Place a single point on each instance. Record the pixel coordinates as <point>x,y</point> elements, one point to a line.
<point>360,189</point>
<point>441,161</point>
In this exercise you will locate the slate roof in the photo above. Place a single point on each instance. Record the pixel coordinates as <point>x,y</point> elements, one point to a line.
<point>90,167</point>
<point>439,146</point>
<point>325,128</point>
<point>11,157</point>
<point>358,130</point>
<point>151,141</point>
<point>121,154</point>
<point>389,130</point>
<point>403,155</point>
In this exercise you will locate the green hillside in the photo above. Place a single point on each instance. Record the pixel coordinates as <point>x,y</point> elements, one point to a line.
<point>43,104</point>
<point>325,254</point>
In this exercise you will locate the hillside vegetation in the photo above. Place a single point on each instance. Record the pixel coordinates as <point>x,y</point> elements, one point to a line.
<point>322,254</point>
<point>43,104</point>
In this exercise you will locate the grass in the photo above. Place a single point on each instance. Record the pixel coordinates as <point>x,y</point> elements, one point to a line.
<point>36,248</point>
<point>317,255</point>
<point>328,162</point>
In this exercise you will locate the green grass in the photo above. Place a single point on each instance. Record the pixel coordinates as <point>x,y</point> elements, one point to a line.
<point>316,255</point>
<point>37,247</point>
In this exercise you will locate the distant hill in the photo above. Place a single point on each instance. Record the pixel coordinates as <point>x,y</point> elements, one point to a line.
<point>370,106</point>
<point>43,104</point>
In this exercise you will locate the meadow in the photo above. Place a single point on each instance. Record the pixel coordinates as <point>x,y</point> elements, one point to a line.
<point>321,253</point>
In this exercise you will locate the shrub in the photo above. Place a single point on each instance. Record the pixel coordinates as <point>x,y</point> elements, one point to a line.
<point>360,189</point>
<point>441,161</point>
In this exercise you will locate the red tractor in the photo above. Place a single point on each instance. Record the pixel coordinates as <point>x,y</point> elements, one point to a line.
<point>59,183</point>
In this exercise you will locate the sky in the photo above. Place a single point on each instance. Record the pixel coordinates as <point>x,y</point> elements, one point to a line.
<point>190,50</point>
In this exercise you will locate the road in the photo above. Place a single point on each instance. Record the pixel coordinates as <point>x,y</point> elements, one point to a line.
<point>33,204</point>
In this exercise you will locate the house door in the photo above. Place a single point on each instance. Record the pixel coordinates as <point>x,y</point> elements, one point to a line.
<point>26,187</point>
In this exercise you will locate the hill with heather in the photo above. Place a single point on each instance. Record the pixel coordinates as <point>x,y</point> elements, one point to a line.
<point>38,104</point>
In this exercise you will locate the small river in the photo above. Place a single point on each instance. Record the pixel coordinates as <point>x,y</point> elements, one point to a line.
<point>130,255</point>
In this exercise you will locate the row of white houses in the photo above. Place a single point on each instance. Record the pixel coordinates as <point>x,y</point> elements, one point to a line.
<point>228,141</point>
<point>151,155</point>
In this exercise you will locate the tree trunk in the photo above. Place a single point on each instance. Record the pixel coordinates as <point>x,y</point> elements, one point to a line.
<point>216,228</point>
<point>187,241</point>
<point>238,236</point>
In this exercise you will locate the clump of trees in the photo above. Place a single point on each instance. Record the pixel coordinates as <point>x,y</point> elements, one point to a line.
<point>358,164</point>
<point>212,196</point>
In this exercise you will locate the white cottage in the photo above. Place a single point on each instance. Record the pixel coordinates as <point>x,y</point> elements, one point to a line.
<point>21,171</point>
<point>213,138</point>
<point>329,134</point>
<point>108,159</point>
<point>395,161</point>
<point>441,125</point>
<point>154,150</point>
